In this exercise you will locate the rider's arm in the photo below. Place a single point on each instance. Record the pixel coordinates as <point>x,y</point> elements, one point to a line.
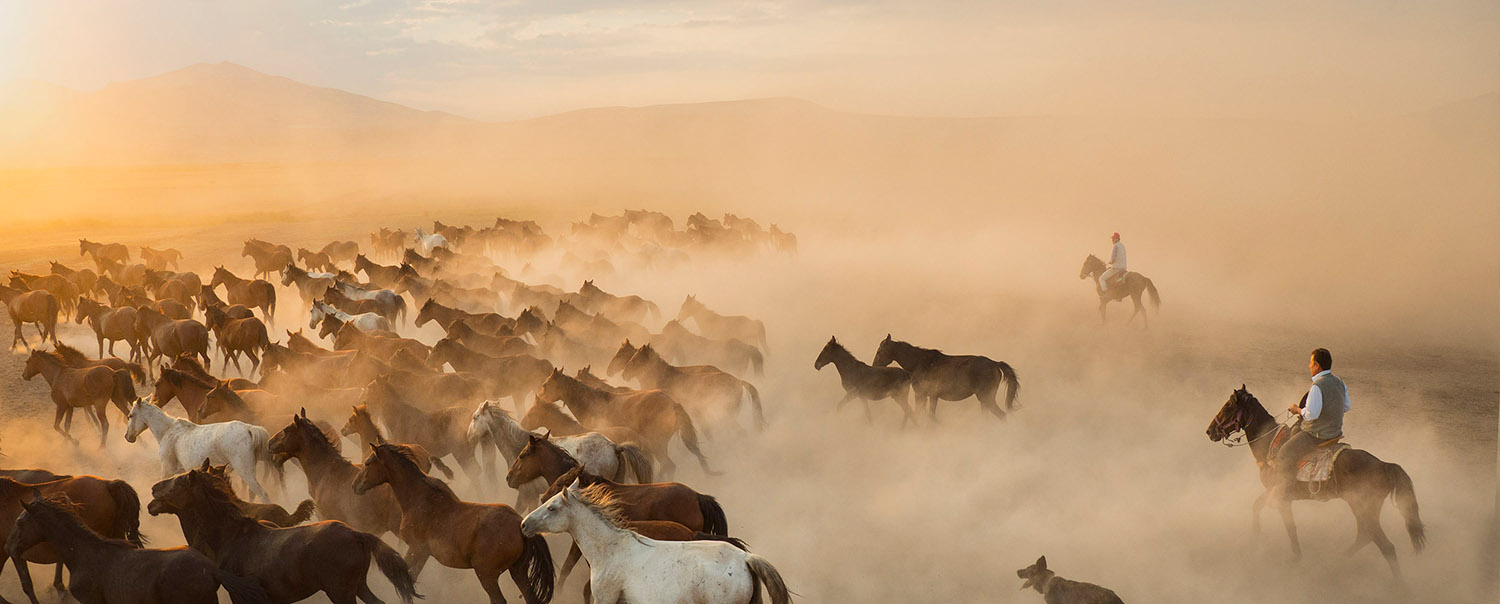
<point>1314,406</point>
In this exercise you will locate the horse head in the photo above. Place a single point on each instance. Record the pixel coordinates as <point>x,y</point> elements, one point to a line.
<point>1234,416</point>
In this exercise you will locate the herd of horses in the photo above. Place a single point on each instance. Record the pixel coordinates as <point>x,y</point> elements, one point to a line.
<point>583,454</point>
<point>433,365</point>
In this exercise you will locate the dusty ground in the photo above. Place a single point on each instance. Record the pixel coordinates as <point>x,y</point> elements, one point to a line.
<point>1105,469</point>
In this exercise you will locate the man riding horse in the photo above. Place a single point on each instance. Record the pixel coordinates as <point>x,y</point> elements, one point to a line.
<point>1116,264</point>
<point>1322,419</point>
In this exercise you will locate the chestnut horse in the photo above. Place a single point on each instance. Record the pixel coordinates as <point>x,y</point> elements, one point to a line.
<point>87,387</point>
<point>290,564</point>
<point>235,336</point>
<point>158,260</point>
<point>109,507</point>
<point>435,523</point>
<point>171,337</point>
<point>39,307</point>
<point>113,324</point>
<point>650,413</point>
<point>256,293</point>
<point>330,479</point>
<point>1359,478</point>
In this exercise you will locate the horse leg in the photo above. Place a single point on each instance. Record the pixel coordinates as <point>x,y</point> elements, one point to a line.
<point>848,396</point>
<point>987,402</point>
<point>1255,510</point>
<point>365,595</point>
<point>99,411</point>
<point>1291,530</point>
<point>906,413</point>
<point>57,579</point>
<point>489,579</point>
<point>573,556</point>
<point>869,419</point>
<point>416,558</point>
<point>62,410</point>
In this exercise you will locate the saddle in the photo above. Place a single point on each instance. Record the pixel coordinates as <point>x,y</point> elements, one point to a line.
<point>1317,466</point>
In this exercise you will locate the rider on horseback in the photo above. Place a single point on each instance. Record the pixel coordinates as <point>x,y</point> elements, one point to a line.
<point>1322,417</point>
<point>1116,263</point>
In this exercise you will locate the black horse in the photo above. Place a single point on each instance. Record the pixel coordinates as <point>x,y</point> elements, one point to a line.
<point>1131,286</point>
<point>937,376</point>
<point>1359,478</point>
<point>865,382</point>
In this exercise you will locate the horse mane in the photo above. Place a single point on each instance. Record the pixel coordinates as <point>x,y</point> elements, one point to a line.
<point>65,515</point>
<point>194,366</point>
<point>313,434</point>
<point>600,500</point>
<point>362,413</point>
<point>71,355</point>
<point>407,461</point>
<point>177,377</point>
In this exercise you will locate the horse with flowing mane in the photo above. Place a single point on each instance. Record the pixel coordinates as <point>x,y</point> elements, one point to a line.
<point>1132,285</point>
<point>1359,478</point>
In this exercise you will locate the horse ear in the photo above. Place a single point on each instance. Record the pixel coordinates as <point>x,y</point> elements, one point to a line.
<point>304,413</point>
<point>1041,563</point>
<point>887,337</point>
<point>1242,387</point>
<point>207,465</point>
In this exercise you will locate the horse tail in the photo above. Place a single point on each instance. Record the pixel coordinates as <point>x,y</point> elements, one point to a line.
<point>760,416</point>
<point>260,439</point>
<point>758,362</point>
<point>761,571</point>
<point>392,566</point>
<point>271,304</point>
<point>124,391</point>
<point>1155,297</point>
<point>689,436</point>
<point>1405,496</point>
<point>739,543</point>
<point>633,457</point>
<point>127,512</point>
<point>1008,374</point>
<point>535,568</point>
<point>442,467</point>
<point>400,308</point>
<point>714,521</point>
<point>264,341</point>
<point>137,372</point>
<point>303,513</point>
<point>242,590</point>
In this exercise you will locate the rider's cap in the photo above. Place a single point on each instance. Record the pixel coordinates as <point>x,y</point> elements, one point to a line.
<point>1115,236</point>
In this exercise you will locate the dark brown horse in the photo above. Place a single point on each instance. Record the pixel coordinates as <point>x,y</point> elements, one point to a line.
<point>652,414</point>
<point>290,564</point>
<point>1131,286</point>
<point>113,324</point>
<point>492,345</point>
<point>236,336</point>
<point>712,392</point>
<point>865,382</point>
<point>435,523</point>
<point>39,307</point>
<point>440,432</point>
<point>91,388</point>
<point>1359,478</point>
<point>330,479</point>
<point>937,376</point>
<point>254,293</point>
<point>361,424</point>
<point>108,507</point>
<point>516,376</point>
<point>112,571</point>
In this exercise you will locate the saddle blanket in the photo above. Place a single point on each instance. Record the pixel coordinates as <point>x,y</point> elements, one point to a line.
<point>1318,465</point>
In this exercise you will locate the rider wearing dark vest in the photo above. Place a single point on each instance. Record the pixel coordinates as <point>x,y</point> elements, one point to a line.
<point>1322,412</point>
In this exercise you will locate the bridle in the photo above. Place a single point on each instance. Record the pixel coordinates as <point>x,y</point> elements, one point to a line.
<point>1233,428</point>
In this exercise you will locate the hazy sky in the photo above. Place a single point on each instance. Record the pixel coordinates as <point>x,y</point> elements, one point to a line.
<point>520,58</point>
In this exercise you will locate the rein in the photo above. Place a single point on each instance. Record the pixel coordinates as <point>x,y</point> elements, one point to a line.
<point>1235,437</point>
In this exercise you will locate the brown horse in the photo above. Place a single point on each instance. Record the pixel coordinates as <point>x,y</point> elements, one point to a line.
<point>255,293</point>
<point>348,336</point>
<point>76,359</point>
<point>39,307</point>
<point>104,253</point>
<point>89,388</point>
<point>391,312</point>
<point>159,260</point>
<point>625,308</point>
<point>113,324</point>
<point>340,251</point>
<point>937,376</point>
<point>723,327</point>
<point>384,277</point>
<point>263,512</point>
<point>330,479</point>
<point>489,322</point>
<point>865,382</point>
<point>309,287</point>
<point>557,422</point>
<point>268,257</point>
<point>497,346</point>
<point>171,337</point>
<point>1359,478</point>
<point>190,390</point>
<point>440,432</point>
<point>713,392</point>
<point>112,571</point>
<point>84,278</point>
<point>315,260</point>
<point>108,507</point>
<point>182,287</point>
<point>652,414</point>
<point>515,376</point>
<point>682,346</point>
<point>207,298</point>
<point>290,564</point>
<point>362,424</point>
<point>387,242</point>
<point>235,336</point>
<point>435,523</point>
<point>600,329</point>
<point>1131,286</point>
<point>64,290</point>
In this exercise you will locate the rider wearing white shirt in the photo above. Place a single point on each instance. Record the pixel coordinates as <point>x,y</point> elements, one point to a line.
<point>1322,415</point>
<point>1116,263</point>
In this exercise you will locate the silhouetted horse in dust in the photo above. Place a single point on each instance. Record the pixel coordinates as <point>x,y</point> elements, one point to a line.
<point>937,376</point>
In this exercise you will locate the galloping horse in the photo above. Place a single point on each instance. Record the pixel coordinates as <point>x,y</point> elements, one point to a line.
<point>235,336</point>
<point>724,327</point>
<point>364,322</point>
<point>113,324</point>
<point>109,507</point>
<point>40,307</point>
<point>650,413</point>
<point>103,254</point>
<point>181,443</point>
<point>361,424</point>
<point>1359,478</point>
<point>112,571</point>
<point>706,388</point>
<point>268,258</point>
<point>624,562</point>
<point>435,523</point>
<point>254,293</point>
<point>171,337</point>
<point>262,512</point>
<point>330,479</point>
<point>936,376</point>
<point>1132,285</point>
<point>309,285</point>
<point>86,387</point>
<point>865,382</point>
<point>158,260</point>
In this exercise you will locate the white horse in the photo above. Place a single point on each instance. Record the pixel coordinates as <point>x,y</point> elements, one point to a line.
<point>365,321</point>
<point>596,452</point>
<point>624,566</point>
<point>426,241</point>
<point>184,445</point>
